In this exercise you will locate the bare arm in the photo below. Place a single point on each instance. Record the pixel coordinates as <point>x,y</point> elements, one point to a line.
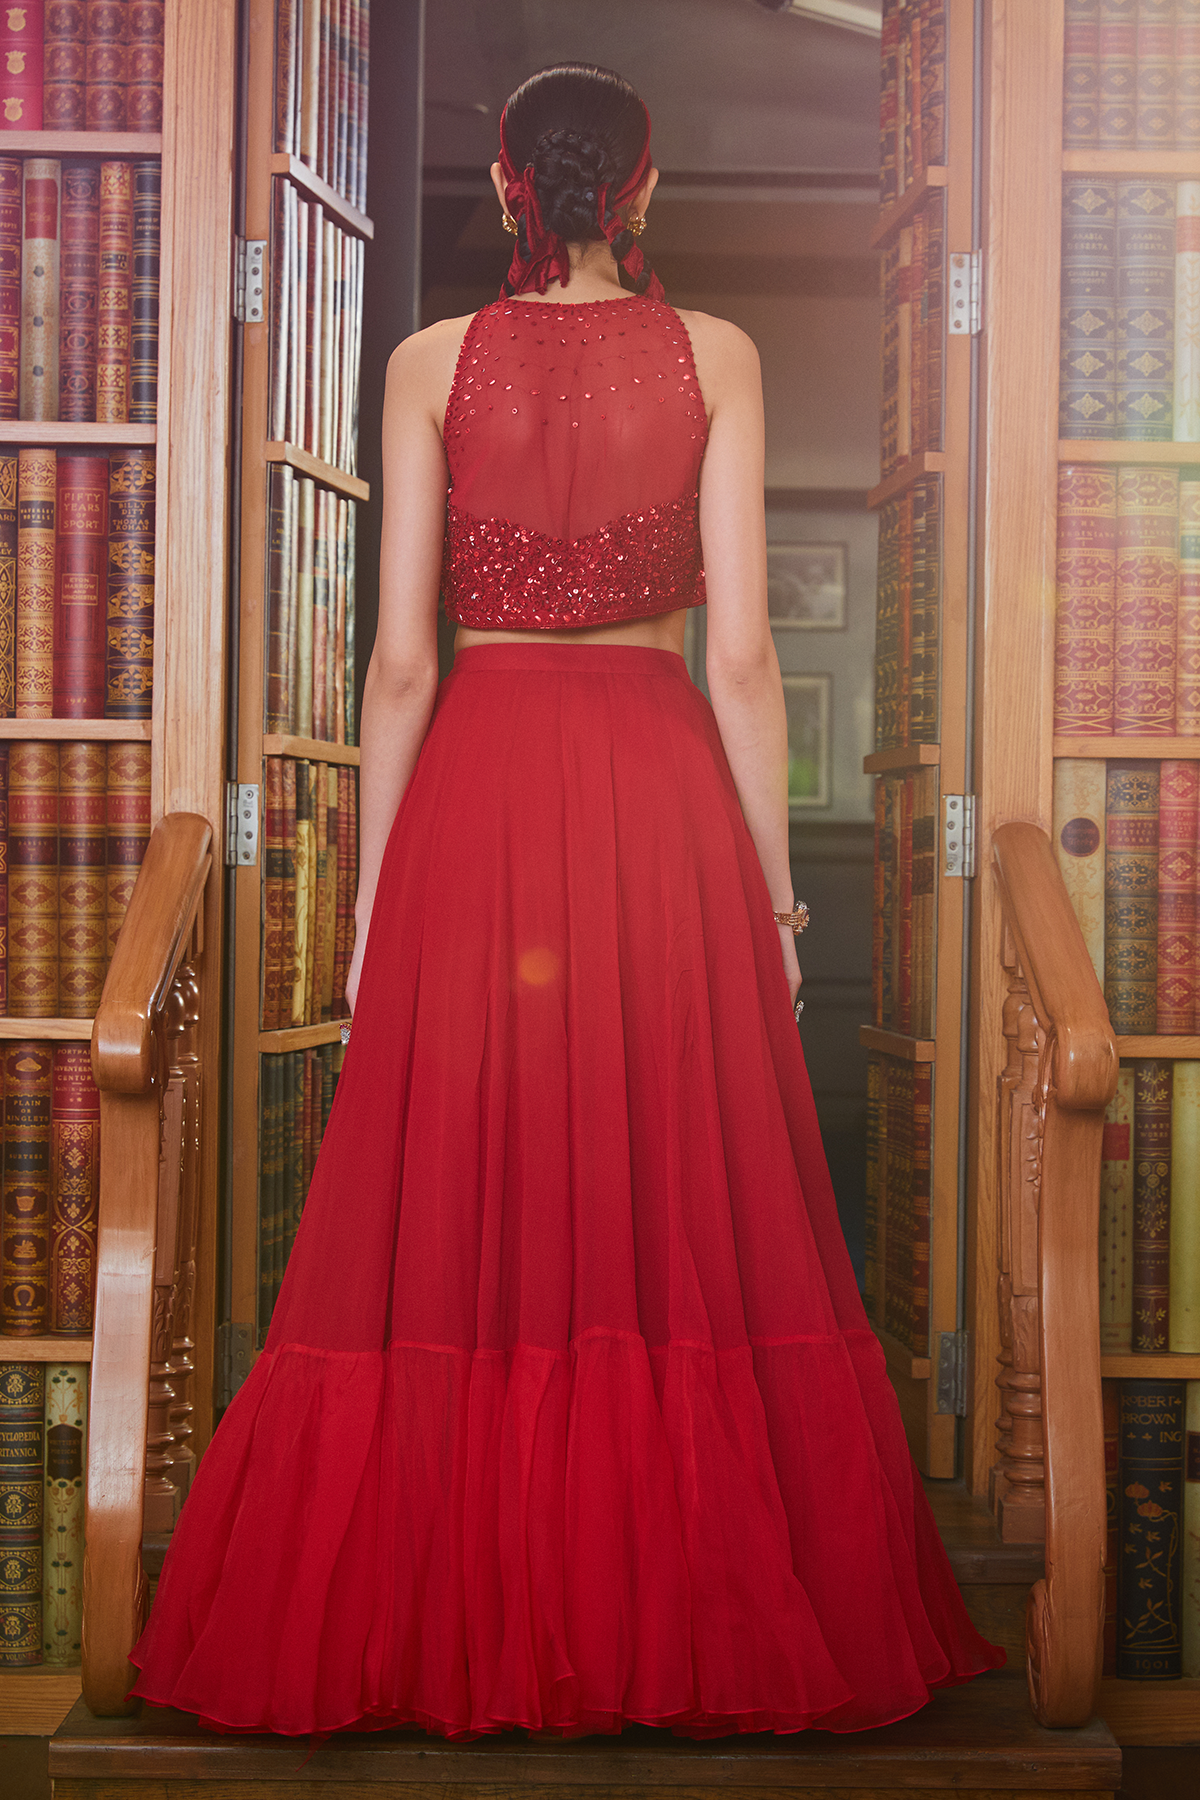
<point>402,677</point>
<point>741,664</point>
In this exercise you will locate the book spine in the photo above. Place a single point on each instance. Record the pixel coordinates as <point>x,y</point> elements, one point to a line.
<point>351,930</point>
<point>127,814</point>
<point>272,894</point>
<point>1145,379</point>
<point>889,418</point>
<point>22,1511</point>
<point>1111,1408</point>
<point>351,552</point>
<point>338,1008</point>
<point>3,879</point>
<point>8,584</point>
<point>1178,800</point>
<point>285,77</point>
<point>1155,74</point>
<point>1152,1084</point>
<point>65,85</point>
<point>1079,825</point>
<point>329,936</point>
<point>313,885</point>
<point>1081,74</point>
<point>287,977</point>
<point>904,968</point>
<point>279,514</point>
<point>904,297</point>
<point>1183,1307</point>
<point>933,82</point>
<point>22,66</point>
<point>303,856</point>
<point>80,583</point>
<point>1086,589</point>
<point>1187,637</point>
<point>310,81</point>
<point>1116,1219</point>
<point>281,292</point>
<point>887,626</point>
<point>129,655</point>
<point>116,282</point>
<point>79,291</point>
<point>12,183</point>
<point>316,304</point>
<point>354,101</point>
<point>904,159</point>
<point>908,540</point>
<point>33,880</point>
<point>41,225</point>
<point>304,605</point>
<point>1088,333</point>
<point>83,883</point>
<point>107,64</point>
<point>1187,74</point>
<point>1116,127</point>
<point>25,1277</point>
<point>329,264</point>
<point>302,326</point>
<point>338,99</point>
<point>320,649</point>
<point>919,352</point>
<point>146,181</point>
<point>74,1184</point>
<point>1131,896</point>
<point>890,906</point>
<point>1187,312</point>
<point>37,482</point>
<point>336,690</point>
<point>63,1514</point>
<point>1147,597</point>
<point>364,97</point>
<point>1190,1633</point>
<point>935,319</point>
<point>1149,1646</point>
<point>144,70</point>
<point>320,919</point>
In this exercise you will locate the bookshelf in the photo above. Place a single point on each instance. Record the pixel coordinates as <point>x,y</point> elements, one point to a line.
<point>185,729</point>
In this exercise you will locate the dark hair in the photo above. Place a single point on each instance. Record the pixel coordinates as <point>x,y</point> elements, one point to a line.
<point>582,127</point>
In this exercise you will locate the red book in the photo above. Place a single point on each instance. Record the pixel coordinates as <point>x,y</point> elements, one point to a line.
<point>1086,579</point>
<point>22,37</point>
<point>127,809</point>
<point>904,991</point>
<point>1146,600</point>
<point>81,586</point>
<point>25,1249</point>
<point>904,666</point>
<point>113,348</point>
<point>74,1188</point>
<point>1178,803</point>
<point>107,64</point>
<point>144,68</point>
<point>79,280</point>
<point>11,184</point>
<point>3,879</point>
<point>65,104</point>
<point>1153,1083</point>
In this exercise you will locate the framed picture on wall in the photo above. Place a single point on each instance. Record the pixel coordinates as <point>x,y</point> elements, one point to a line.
<point>806,586</point>
<point>808,699</point>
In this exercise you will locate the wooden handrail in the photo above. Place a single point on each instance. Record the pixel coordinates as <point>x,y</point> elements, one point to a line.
<point>130,1064</point>
<point>1076,1077</point>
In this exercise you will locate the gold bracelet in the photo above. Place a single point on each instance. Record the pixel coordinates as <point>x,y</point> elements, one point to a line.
<point>798,919</point>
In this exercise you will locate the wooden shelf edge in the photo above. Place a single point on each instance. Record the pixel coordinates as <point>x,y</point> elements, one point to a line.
<point>1120,450</point>
<point>907,756</point>
<point>134,731</point>
<point>324,472</point>
<point>81,143</point>
<point>1137,749</point>
<point>301,1037</point>
<point>1151,1712</point>
<point>1130,162</point>
<point>48,1348</point>
<point>926,462</point>
<point>276,743</point>
<point>69,1030</point>
<point>303,177</point>
<point>895,1043</point>
<point>1151,1365</point>
<point>897,212</point>
<point>35,1701</point>
<point>1169,1048</point>
<point>63,431</point>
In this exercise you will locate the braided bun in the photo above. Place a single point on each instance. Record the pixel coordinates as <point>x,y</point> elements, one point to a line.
<point>570,168</point>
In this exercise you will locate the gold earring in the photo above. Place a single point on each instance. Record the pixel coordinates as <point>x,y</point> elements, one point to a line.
<point>509,223</point>
<point>636,223</point>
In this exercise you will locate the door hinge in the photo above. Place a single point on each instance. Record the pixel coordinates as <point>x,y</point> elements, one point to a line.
<point>249,280</point>
<point>966,293</point>
<point>958,835</point>
<point>952,1373</point>
<point>233,1359</point>
<point>241,823</point>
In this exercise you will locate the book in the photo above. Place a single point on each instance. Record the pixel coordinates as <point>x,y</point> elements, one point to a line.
<point>281,277</point>
<point>1145,341</point>
<point>1186,398</point>
<point>22,66</point>
<point>64,99</point>
<point>1187,632</point>
<point>1085,613</point>
<point>1081,74</point>
<point>40,235</point>
<point>65,1463</point>
<point>336,677</point>
<point>81,582</point>
<point>329,778</point>
<point>345,896</point>
<point>364,97</point>
<point>74,1186</point>
<point>25,1253</point>
<point>146,179</point>
<point>107,64</point>
<point>306,553</point>
<point>286,28</point>
<point>144,66</point>
<point>83,878</point>
<point>37,489</point>
<point>127,816</point>
<point>129,651</point>
<point>1116,1219</point>
<point>8,584</point>
<point>3,878</point>
<point>1147,593</point>
<point>114,318</point>
<point>304,857</point>
<point>1183,1303</point>
<point>280,590</point>
<point>1149,1646</point>
<point>887,628</point>
<point>1131,896</point>
<point>79,290</point>
<point>904,310</point>
<point>1187,74</point>
<point>22,1515</point>
<point>1152,1087</point>
<point>1155,128</point>
<point>351,609</point>
<point>1079,846</point>
<point>33,880</point>
<point>1178,873</point>
<point>1088,344</point>
<point>1190,1633</point>
<point>272,927</point>
<point>12,185</point>
<point>320,622</point>
<point>1116,120</point>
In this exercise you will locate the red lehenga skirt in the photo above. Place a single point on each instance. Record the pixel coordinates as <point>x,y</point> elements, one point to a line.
<point>569,1414</point>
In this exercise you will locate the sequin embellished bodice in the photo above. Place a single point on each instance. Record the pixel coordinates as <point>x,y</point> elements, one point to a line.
<point>573,434</point>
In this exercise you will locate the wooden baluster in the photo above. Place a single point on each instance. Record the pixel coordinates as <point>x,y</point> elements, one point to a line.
<point>183,1459</point>
<point>162,1499</point>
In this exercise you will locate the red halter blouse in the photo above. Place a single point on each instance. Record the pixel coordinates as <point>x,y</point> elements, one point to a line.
<point>574,433</point>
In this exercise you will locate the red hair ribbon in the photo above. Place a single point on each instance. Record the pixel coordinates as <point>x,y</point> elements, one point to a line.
<point>548,258</point>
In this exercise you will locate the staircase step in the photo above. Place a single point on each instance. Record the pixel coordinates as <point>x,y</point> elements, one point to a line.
<point>978,1739</point>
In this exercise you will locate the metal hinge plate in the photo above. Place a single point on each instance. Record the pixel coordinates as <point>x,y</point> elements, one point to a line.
<point>952,1373</point>
<point>966,293</point>
<point>241,823</point>
<point>249,280</point>
<point>233,1358</point>
<point>958,835</point>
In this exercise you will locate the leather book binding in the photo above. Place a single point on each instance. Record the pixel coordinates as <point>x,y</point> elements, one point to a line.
<point>75,1187</point>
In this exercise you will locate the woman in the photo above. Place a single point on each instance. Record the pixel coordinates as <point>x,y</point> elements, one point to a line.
<point>569,1414</point>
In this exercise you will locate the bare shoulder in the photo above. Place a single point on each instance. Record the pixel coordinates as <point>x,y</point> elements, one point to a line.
<point>421,367</point>
<point>727,361</point>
